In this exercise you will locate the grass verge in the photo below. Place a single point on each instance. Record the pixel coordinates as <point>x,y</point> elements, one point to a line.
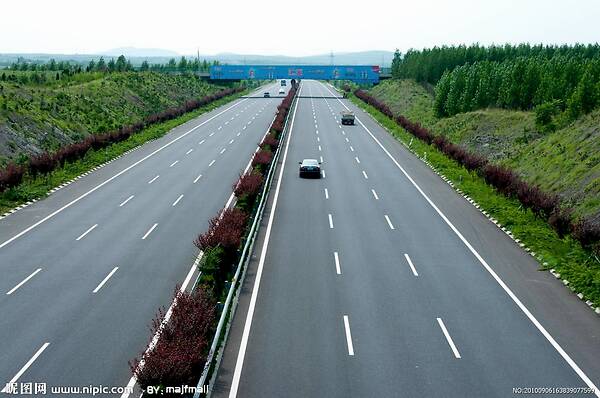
<point>36,188</point>
<point>566,256</point>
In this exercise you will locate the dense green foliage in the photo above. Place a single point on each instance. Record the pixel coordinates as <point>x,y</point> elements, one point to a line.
<point>45,116</point>
<point>429,65</point>
<point>121,64</point>
<point>570,83</point>
<point>35,188</point>
<point>565,161</point>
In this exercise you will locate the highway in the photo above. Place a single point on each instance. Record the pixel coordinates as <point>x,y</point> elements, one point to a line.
<point>85,270</point>
<point>379,280</point>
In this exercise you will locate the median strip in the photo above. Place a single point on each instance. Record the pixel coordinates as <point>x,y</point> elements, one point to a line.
<point>220,247</point>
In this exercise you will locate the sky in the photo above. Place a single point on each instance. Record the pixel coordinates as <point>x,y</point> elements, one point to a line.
<point>295,28</point>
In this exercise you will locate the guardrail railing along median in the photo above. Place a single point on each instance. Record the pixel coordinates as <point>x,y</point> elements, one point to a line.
<point>233,294</point>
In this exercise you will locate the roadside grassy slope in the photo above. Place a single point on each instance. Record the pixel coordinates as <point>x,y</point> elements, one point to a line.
<point>566,162</point>
<point>37,117</point>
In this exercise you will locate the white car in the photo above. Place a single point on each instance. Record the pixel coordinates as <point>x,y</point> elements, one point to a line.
<point>281,91</point>
<point>310,168</point>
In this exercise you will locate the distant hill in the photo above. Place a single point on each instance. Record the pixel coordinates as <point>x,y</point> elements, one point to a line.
<point>140,52</point>
<point>382,58</point>
<point>161,56</point>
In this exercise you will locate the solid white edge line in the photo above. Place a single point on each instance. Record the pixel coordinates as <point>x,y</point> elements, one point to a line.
<point>177,201</point>
<point>375,194</point>
<point>104,280</point>
<point>410,263</point>
<point>336,257</point>
<point>149,231</point>
<point>500,282</point>
<point>11,291</point>
<point>126,200</point>
<point>348,336</point>
<point>116,175</point>
<point>448,338</point>
<point>87,232</point>
<point>248,323</point>
<point>25,367</point>
<point>330,221</point>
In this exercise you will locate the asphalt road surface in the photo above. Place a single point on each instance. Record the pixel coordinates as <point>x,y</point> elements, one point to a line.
<point>85,270</point>
<point>378,280</point>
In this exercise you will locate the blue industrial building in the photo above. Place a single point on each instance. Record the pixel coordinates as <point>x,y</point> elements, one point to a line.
<point>356,73</point>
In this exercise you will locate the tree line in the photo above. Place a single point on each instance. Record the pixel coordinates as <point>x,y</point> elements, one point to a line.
<point>429,65</point>
<point>569,84</point>
<point>120,64</point>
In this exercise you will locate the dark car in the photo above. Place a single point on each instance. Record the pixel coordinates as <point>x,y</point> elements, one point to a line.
<point>310,168</point>
<point>266,94</point>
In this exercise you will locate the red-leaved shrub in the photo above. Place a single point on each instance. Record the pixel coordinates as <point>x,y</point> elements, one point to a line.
<point>507,182</point>
<point>587,232</point>
<point>248,184</point>
<point>560,220</point>
<point>46,162</point>
<point>41,164</point>
<point>271,141</point>
<point>262,157</point>
<point>11,176</point>
<point>225,230</point>
<point>501,178</point>
<point>183,343</point>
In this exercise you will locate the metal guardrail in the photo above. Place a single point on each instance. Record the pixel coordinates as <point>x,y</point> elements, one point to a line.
<point>242,266</point>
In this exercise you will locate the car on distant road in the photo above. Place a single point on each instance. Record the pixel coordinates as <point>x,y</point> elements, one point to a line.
<point>267,94</point>
<point>347,117</point>
<point>283,83</point>
<point>310,168</point>
<point>281,91</point>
